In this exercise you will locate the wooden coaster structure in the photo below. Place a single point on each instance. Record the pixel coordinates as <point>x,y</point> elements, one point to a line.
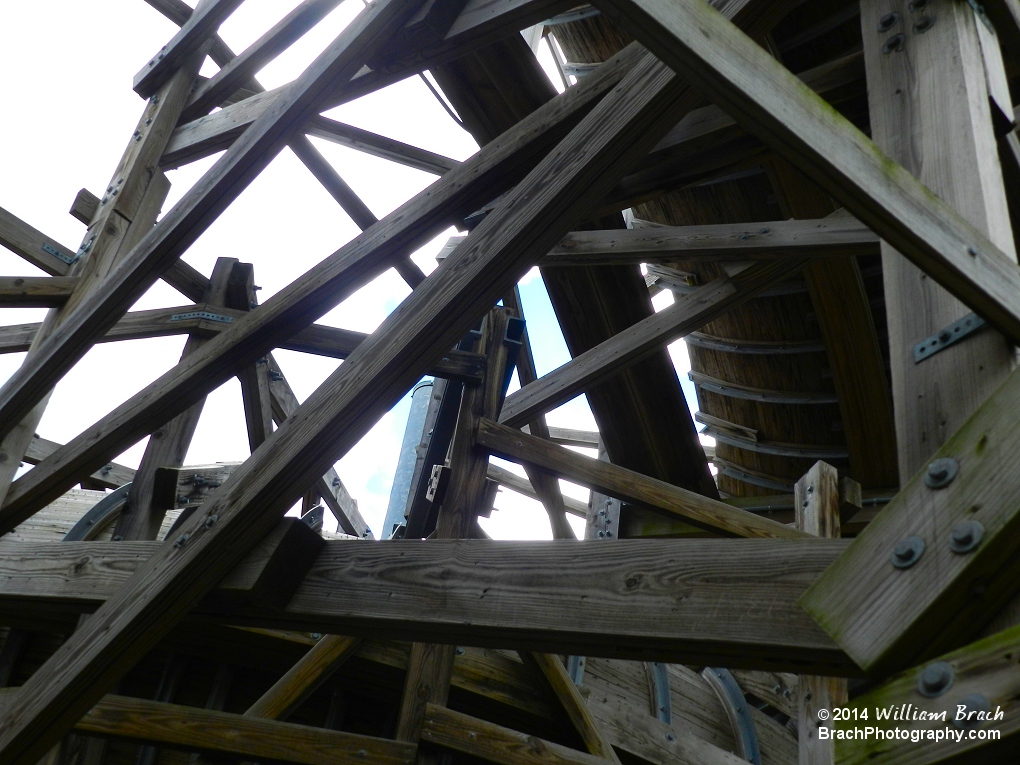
<point>731,131</point>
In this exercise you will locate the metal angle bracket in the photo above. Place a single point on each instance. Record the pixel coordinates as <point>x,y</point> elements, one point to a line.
<point>958,330</point>
<point>209,315</point>
<point>59,255</point>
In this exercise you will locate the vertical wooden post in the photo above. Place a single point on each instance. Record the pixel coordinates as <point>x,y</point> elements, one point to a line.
<point>930,111</point>
<point>816,511</point>
<point>430,667</point>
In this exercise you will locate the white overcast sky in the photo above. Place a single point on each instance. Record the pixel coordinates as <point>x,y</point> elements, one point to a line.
<point>67,68</point>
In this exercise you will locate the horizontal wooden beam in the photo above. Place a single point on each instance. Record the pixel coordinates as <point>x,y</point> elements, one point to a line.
<point>709,601</point>
<point>773,104</point>
<point>627,485</point>
<point>639,341</point>
<point>827,237</point>
<point>318,339</point>
<point>193,729</point>
<point>35,291</point>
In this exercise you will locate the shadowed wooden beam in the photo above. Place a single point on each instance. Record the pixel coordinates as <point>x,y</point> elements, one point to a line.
<point>728,241</point>
<point>534,216</point>
<point>724,602</point>
<point>788,116</point>
<point>487,174</point>
<point>109,476</point>
<point>621,351</point>
<point>627,485</point>
<point>36,291</point>
<point>193,729</point>
<point>906,606</point>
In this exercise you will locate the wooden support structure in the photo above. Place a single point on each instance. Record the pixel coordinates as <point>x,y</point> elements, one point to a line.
<point>824,192</point>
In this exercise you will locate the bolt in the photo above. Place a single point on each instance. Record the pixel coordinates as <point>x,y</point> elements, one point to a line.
<point>211,520</point>
<point>976,702</point>
<point>966,537</point>
<point>944,335</point>
<point>459,651</point>
<point>926,23</point>
<point>941,472</point>
<point>888,21</point>
<point>972,252</point>
<point>182,500</point>
<point>935,679</point>
<point>893,44</point>
<point>670,737</point>
<point>907,552</point>
<point>148,120</point>
<point>315,635</point>
<point>117,538</point>
<point>182,540</point>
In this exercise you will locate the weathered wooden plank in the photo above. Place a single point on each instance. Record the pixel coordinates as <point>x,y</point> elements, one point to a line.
<point>192,36</point>
<point>36,291</point>
<point>723,602</point>
<point>494,743</point>
<point>109,476</point>
<point>637,342</point>
<point>522,485</point>
<point>34,246</point>
<point>772,103</point>
<point>218,733</point>
<point>893,616</point>
<point>485,175</point>
<point>734,241</point>
<point>298,683</point>
<point>816,508</point>
<point>627,485</point>
<point>984,670</point>
<point>190,217</point>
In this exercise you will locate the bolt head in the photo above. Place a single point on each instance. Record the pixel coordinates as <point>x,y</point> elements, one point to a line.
<point>966,536</point>
<point>941,472</point>
<point>907,552</point>
<point>935,679</point>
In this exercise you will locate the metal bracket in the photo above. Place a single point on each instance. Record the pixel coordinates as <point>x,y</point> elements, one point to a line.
<point>733,701</point>
<point>660,691</point>
<point>941,340</point>
<point>55,252</point>
<point>575,669</point>
<point>202,315</point>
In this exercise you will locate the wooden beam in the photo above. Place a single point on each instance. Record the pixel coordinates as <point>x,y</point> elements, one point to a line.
<point>842,306</point>
<point>523,486</point>
<point>627,485</point>
<point>728,241</point>
<point>627,348</point>
<point>949,143</point>
<point>193,214</point>
<point>234,74</point>
<point>36,291</point>
<point>534,216</point>
<point>494,743</point>
<point>816,507</point>
<point>709,601</point>
<point>985,670</point>
<point>193,729</point>
<point>110,476</point>
<point>570,698</point>
<point>193,35</point>
<point>895,615</point>
<point>486,175</point>
<point>772,103</point>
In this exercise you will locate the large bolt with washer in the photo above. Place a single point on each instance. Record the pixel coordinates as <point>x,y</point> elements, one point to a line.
<point>935,679</point>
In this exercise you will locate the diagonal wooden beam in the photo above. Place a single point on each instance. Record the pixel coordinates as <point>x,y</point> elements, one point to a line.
<point>234,74</point>
<point>636,343</point>
<point>486,175</point>
<point>222,733</point>
<point>627,485</point>
<point>534,216</point>
<point>192,36</point>
<point>788,116</point>
<point>903,609</point>
<point>198,208</point>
